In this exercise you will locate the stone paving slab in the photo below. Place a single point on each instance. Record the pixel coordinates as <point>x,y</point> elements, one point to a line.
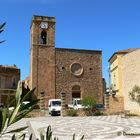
<point>19,124</point>
<point>101,127</point>
<point>91,127</point>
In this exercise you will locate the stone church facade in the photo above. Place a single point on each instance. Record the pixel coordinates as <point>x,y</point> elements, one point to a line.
<point>58,70</point>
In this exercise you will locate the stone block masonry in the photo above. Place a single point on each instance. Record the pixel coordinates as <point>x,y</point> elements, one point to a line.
<point>87,73</point>
<point>56,70</point>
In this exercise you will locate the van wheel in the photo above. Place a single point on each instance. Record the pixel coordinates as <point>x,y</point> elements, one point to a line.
<point>51,114</point>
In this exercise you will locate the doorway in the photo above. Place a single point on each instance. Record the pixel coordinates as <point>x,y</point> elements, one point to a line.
<point>76,92</point>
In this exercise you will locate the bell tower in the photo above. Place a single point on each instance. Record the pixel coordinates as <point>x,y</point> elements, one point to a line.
<point>42,57</point>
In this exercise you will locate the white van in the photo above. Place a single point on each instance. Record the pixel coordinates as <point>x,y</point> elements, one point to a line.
<point>54,106</point>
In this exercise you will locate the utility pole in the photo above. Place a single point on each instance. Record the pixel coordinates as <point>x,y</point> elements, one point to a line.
<point>109,79</point>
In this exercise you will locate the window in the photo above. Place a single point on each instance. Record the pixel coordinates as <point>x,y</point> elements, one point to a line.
<point>90,69</point>
<point>56,103</point>
<point>63,68</point>
<point>8,82</point>
<point>43,37</point>
<point>114,81</point>
<point>14,84</point>
<point>76,69</point>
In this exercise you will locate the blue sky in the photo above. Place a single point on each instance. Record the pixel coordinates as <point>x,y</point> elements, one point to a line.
<point>107,25</point>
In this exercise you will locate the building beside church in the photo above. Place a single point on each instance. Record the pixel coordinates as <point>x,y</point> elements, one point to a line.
<point>9,77</point>
<point>130,78</point>
<point>125,74</point>
<point>59,70</point>
<point>116,65</point>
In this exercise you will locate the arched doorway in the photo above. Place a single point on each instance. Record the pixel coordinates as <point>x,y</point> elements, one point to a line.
<point>76,92</point>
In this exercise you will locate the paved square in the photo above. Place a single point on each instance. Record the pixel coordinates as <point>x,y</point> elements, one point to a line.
<point>101,127</point>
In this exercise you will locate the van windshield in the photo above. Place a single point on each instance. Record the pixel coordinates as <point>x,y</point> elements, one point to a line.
<point>56,103</point>
<point>78,102</point>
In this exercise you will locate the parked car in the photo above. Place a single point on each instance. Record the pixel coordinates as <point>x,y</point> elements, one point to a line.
<point>100,106</point>
<point>23,103</point>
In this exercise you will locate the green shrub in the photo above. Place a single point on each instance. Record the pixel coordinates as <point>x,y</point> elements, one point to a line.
<point>72,112</point>
<point>7,117</point>
<point>134,94</point>
<point>98,113</point>
<point>132,114</point>
<point>90,103</point>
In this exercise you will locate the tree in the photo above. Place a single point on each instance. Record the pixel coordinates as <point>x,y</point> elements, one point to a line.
<point>1,30</point>
<point>90,103</point>
<point>134,95</point>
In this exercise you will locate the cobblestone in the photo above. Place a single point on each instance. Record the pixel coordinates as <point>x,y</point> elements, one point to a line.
<point>101,127</point>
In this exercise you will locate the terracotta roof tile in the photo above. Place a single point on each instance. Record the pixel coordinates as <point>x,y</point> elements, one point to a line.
<point>123,52</point>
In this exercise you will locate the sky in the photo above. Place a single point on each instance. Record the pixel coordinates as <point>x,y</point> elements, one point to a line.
<point>107,25</point>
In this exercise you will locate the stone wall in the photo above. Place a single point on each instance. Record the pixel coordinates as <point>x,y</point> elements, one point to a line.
<point>116,105</point>
<point>42,58</point>
<point>131,77</point>
<point>79,67</point>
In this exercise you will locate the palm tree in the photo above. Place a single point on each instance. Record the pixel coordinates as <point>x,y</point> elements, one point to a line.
<point>1,30</point>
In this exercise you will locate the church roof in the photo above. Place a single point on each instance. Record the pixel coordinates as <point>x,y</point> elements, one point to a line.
<point>78,50</point>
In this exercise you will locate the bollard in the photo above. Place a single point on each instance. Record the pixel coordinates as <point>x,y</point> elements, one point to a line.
<point>63,104</point>
<point>106,101</point>
<point>42,101</point>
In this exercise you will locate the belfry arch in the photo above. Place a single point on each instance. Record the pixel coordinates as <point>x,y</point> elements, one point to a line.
<point>43,37</point>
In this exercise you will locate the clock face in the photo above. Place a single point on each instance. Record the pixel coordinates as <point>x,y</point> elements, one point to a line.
<point>44,25</point>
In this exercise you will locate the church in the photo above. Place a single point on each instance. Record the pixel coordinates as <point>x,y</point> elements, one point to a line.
<point>53,70</point>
